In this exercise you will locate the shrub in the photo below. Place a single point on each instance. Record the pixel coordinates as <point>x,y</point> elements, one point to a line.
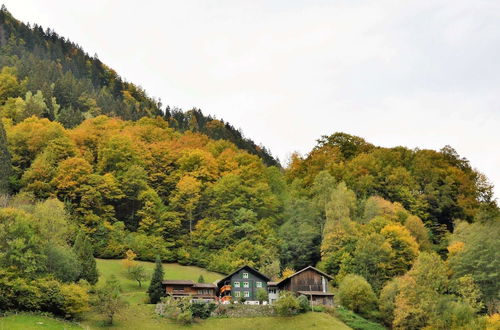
<point>303,303</point>
<point>202,311</point>
<point>355,321</point>
<point>262,295</point>
<point>356,294</point>
<point>185,317</point>
<point>287,304</point>
<point>76,300</point>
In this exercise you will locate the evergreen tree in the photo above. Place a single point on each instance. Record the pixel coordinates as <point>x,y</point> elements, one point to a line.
<point>85,252</point>
<point>155,290</point>
<point>201,279</point>
<point>5,163</point>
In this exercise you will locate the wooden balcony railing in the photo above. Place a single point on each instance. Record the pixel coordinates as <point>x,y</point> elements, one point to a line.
<point>225,288</point>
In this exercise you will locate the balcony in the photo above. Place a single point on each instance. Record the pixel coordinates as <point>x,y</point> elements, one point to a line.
<point>225,288</point>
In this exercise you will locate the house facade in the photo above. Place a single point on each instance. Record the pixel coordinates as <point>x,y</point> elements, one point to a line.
<point>199,292</point>
<point>242,284</point>
<point>311,283</point>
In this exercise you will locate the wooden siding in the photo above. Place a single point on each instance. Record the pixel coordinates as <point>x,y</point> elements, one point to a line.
<point>308,280</point>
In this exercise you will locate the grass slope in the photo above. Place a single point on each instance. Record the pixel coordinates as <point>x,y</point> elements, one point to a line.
<point>27,321</point>
<point>132,292</point>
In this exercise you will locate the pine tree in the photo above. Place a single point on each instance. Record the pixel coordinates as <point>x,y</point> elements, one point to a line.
<point>85,252</point>
<point>155,290</point>
<point>201,279</point>
<point>5,163</point>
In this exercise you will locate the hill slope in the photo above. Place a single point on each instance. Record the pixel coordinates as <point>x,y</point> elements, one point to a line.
<point>68,85</point>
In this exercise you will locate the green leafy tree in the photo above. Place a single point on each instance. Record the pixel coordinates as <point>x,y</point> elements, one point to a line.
<point>478,256</point>
<point>5,162</point>
<point>83,249</point>
<point>63,263</point>
<point>155,290</point>
<point>108,300</point>
<point>356,294</point>
<point>138,273</point>
<point>287,304</point>
<point>262,295</point>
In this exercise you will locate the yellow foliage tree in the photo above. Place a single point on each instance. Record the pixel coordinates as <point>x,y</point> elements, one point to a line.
<point>129,260</point>
<point>287,272</point>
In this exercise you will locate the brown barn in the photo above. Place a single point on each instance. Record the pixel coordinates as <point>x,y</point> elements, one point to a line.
<point>310,282</point>
<point>199,292</point>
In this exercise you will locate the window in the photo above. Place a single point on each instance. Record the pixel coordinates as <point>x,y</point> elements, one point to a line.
<point>200,291</point>
<point>236,284</point>
<point>259,284</point>
<point>245,275</point>
<point>272,291</point>
<point>246,284</point>
<point>237,294</point>
<point>247,294</point>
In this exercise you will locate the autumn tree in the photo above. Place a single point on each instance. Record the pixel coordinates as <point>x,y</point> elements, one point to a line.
<point>129,260</point>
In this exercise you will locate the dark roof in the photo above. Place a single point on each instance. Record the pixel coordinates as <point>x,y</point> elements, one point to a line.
<point>302,270</point>
<point>177,282</point>
<point>245,267</point>
<point>315,293</point>
<point>204,285</point>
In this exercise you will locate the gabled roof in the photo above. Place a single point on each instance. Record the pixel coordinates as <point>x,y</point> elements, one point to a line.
<point>302,270</point>
<point>248,268</point>
<point>177,282</point>
<point>204,285</point>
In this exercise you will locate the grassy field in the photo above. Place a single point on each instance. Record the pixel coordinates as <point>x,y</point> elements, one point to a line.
<point>139,315</point>
<point>27,321</point>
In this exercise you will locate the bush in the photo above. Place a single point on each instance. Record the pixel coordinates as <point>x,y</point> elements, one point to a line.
<point>76,300</point>
<point>355,321</point>
<point>356,294</point>
<point>43,294</point>
<point>202,311</point>
<point>287,304</point>
<point>304,303</point>
<point>262,295</point>
<point>185,317</point>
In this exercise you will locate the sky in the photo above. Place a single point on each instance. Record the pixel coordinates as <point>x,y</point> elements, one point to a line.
<point>414,73</point>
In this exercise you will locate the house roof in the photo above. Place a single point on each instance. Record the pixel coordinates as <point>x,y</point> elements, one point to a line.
<point>177,282</point>
<point>272,283</point>
<point>204,285</point>
<point>315,293</point>
<point>241,268</point>
<point>302,270</point>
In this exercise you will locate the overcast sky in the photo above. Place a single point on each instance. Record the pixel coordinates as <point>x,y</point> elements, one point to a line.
<point>413,73</point>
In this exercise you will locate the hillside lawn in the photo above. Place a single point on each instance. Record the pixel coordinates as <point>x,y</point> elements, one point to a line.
<point>28,321</point>
<point>140,315</point>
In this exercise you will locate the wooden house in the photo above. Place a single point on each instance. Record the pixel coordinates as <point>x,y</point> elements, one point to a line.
<point>309,282</point>
<point>199,292</point>
<point>242,284</point>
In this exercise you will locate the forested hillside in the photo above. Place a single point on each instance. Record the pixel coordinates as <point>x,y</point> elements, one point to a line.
<point>412,232</point>
<point>47,75</point>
